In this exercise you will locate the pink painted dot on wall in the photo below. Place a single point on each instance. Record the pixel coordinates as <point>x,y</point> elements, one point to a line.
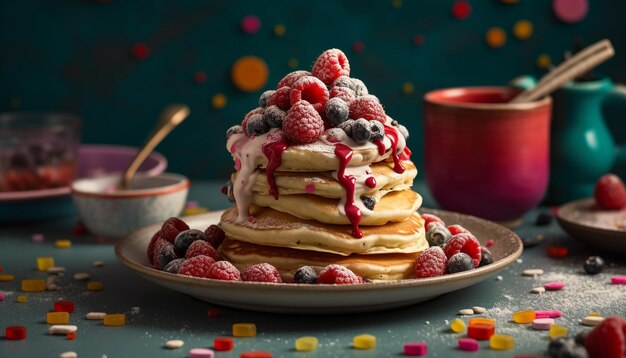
<point>358,47</point>
<point>418,40</point>
<point>461,9</point>
<point>140,51</point>
<point>570,11</point>
<point>250,24</point>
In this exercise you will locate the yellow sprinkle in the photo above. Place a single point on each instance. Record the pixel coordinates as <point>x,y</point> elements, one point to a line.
<point>194,211</point>
<point>396,4</point>
<point>501,342</point>
<point>62,244</point>
<point>33,285</point>
<point>114,319</point>
<point>523,29</point>
<point>292,63</point>
<point>481,320</point>
<point>279,30</point>
<point>244,330</point>
<point>6,277</point>
<point>94,286</point>
<point>22,299</point>
<point>44,263</point>
<point>407,87</point>
<point>58,318</point>
<point>364,341</point>
<point>306,344</point>
<point>524,316</point>
<point>544,61</point>
<point>457,325</point>
<point>594,314</point>
<point>219,101</point>
<point>495,37</point>
<point>557,331</point>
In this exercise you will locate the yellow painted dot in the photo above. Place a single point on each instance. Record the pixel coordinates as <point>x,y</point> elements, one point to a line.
<point>279,30</point>
<point>6,277</point>
<point>407,87</point>
<point>244,329</point>
<point>22,299</point>
<point>219,101</point>
<point>94,286</point>
<point>544,61</point>
<point>495,37</point>
<point>364,341</point>
<point>194,211</point>
<point>63,244</point>
<point>15,103</point>
<point>457,326</point>
<point>293,63</point>
<point>396,4</point>
<point>249,73</point>
<point>523,29</point>
<point>33,285</point>
<point>306,344</point>
<point>58,318</point>
<point>44,263</point>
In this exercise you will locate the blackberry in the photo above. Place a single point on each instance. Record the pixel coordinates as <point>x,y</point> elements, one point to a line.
<point>256,125</point>
<point>377,129</point>
<point>544,218</point>
<point>459,262</point>
<point>344,81</point>
<point>274,116</point>
<point>165,256</point>
<point>485,257</point>
<point>185,238</point>
<point>361,131</point>
<point>438,235</point>
<point>594,265</point>
<point>347,127</point>
<point>368,201</point>
<point>336,111</point>
<point>234,130</point>
<point>173,266</point>
<point>265,97</point>
<point>305,274</point>
<point>359,87</point>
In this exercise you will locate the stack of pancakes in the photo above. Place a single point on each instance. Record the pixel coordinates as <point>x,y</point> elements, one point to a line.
<point>306,222</point>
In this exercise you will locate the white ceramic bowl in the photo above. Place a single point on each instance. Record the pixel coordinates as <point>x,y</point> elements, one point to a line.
<point>112,213</point>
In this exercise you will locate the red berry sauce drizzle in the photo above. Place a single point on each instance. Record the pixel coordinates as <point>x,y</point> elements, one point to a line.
<point>344,153</point>
<point>274,153</point>
<point>392,134</point>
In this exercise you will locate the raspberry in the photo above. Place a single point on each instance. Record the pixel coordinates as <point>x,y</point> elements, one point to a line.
<point>466,243</point>
<point>256,125</point>
<point>430,263</point>
<point>610,192</point>
<point>281,98</point>
<point>330,65</point>
<point>274,116</point>
<point>344,93</point>
<point>336,111</point>
<point>265,98</point>
<point>291,78</point>
<point>171,227</point>
<point>369,108</point>
<point>153,240</point>
<point>337,274</point>
<point>311,90</point>
<point>262,272</point>
<point>608,339</point>
<point>457,229</point>
<point>214,235</point>
<point>197,266</point>
<point>428,218</point>
<point>224,270</point>
<point>459,262</point>
<point>201,247</point>
<point>185,238</point>
<point>303,124</point>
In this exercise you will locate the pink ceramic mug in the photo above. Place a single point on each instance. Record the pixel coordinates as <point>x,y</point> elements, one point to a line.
<point>484,156</point>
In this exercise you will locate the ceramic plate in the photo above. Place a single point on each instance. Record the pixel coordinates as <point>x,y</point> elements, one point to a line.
<point>604,230</point>
<point>311,299</point>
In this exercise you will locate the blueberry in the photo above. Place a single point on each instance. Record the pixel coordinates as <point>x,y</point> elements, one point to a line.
<point>594,265</point>
<point>173,266</point>
<point>359,87</point>
<point>305,274</point>
<point>185,238</point>
<point>336,111</point>
<point>459,262</point>
<point>544,218</point>
<point>437,235</point>
<point>485,257</point>
<point>344,81</point>
<point>234,130</point>
<point>581,337</point>
<point>165,256</point>
<point>368,201</point>
<point>377,129</point>
<point>265,97</point>
<point>361,131</point>
<point>256,125</point>
<point>274,116</point>
<point>347,126</point>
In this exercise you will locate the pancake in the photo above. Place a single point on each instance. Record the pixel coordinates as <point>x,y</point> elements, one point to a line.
<point>382,267</point>
<point>275,228</point>
<point>393,207</point>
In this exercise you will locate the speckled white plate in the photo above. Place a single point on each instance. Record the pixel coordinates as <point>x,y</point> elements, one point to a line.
<point>313,299</point>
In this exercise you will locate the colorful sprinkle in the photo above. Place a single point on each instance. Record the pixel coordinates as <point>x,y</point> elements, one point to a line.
<point>557,251</point>
<point>481,331</point>
<point>306,344</point>
<point>457,326</point>
<point>364,341</point>
<point>223,344</point>
<point>2,296</point>
<point>468,344</point>
<point>249,73</point>
<point>532,272</point>
<point>244,330</point>
<point>201,353</point>
<point>501,342</point>
<point>58,318</point>
<point>64,306</point>
<point>466,312</point>
<point>62,329</point>
<point>542,324</point>
<point>415,349</point>
<point>553,286</point>
<point>548,314</point>
<point>33,285</point>
<point>44,263</point>
<point>174,344</point>
<point>618,280</point>
<point>95,315</point>
<point>213,313</point>
<point>557,331</point>
<point>219,101</point>
<point>15,333</point>
<point>524,317</point>
<point>22,299</point>
<point>71,336</point>
<point>37,238</point>
<point>592,320</point>
<point>95,286</point>
<point>81,276</point>
<point>256,354</point>
<point>63,244</point>
<point>482,320</point>
<point>114,319</point>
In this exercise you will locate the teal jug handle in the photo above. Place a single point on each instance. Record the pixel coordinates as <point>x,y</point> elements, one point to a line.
<point>523,82</point>
<point>616,97</point>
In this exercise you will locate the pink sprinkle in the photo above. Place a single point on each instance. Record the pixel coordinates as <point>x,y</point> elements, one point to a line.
<point>37,238</point>
<point>191,204</point>
<point>542,324</point>
<point>201,353</point>
<point>251,219</point>
<point>489,243</point>
<point>309,188</point>
<point>2,295</point>
<point>250,24</point>
<point>468,344</point>
<point>548,314</point>
<point>416,349</point>
<point>554,286</point>
<point>618,280</point>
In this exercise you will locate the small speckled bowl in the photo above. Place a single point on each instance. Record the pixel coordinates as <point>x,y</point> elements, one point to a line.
<point>112,213</point>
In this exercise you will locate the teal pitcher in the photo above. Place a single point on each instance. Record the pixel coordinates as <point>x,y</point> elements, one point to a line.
<point>581,146</point>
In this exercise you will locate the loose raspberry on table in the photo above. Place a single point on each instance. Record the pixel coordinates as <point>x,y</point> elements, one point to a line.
<point>292,77</point>
<point>171,227</point>
<point>274,116</point>
<point>197,266</point>
<point>369,108</point>
<point>464,242</point>
<point>456,229</point>
<point>201,247</point>
<point>344,93</point>
<point>312,90</point>
<point>330,65</point>
<point>337,274</point>
<point>262,272</point>
<point>430,263</point>
<point>428,218</point>
<point>608,339</point>
<point>303,124</point>
<point>281,98</point>
<point>214,235</point>
<point>610,192</point>
<point>224,270</point>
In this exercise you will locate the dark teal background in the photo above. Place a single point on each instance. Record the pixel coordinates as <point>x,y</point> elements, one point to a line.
<point>74,55</point>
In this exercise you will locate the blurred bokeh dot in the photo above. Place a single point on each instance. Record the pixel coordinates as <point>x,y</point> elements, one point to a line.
<point>249,73</point>
<point>523,29</point>
<point>219,101</point>
<point>544,61</point>
<point>495,37</point>
<point>279,30</point>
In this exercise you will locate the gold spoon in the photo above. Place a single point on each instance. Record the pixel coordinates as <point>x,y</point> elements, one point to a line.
<point>171,116</point>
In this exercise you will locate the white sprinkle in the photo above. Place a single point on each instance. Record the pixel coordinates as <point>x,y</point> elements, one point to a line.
<point>52,286</point>
<point>446,322</point>
<point>95,315</point>
<point>427,322</point>
<point>69,354</point>
<point>135,310</point>
<point>499,278</point>
<point>56,269</point>
<point>466,312</point>
<point>62,329</point>
<point>519,261</point>
<point>81,276</point>
<point>479,310</point>
<point>538,290</point>
<point>508,297</point>
<point>532,272</point>
<point>174,343</point>
<point>98,263</point>
<point>592,320</point>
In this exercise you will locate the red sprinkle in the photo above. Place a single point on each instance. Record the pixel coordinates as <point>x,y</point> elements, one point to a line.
<point>64,306</point>
<point>256,354</point>
<point>223,344</point>
<point>71,336</point>
<point>481,331</point>
<point>416,349</point>
<point>557,251</point>
<point>15,333</point>
<point>214,313</point>
<point>140,51</point>
<point>468,344</point>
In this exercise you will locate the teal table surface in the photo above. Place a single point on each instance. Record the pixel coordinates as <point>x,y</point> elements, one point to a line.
<point>156,314</point>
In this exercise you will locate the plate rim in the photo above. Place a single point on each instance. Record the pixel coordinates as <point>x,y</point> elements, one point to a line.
<point>592,229</point>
